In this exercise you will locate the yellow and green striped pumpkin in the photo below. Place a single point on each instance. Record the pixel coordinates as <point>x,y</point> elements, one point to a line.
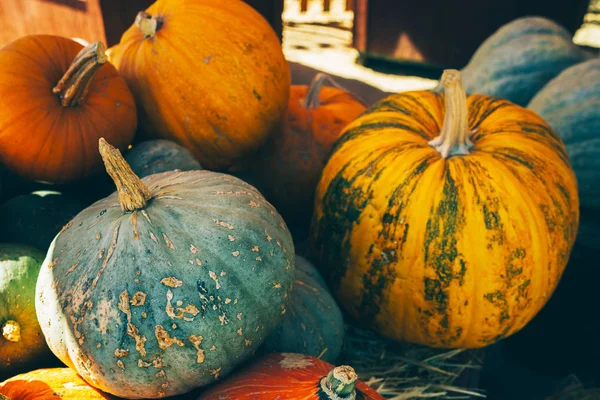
<point>443,219</point>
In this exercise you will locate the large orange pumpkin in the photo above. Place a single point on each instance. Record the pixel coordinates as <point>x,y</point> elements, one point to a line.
<point>56,100</point>
<point>50,384</point>
<point>445,220</point>
<point>288,167</point>
<point>208,74</point>
<point>290,376</point>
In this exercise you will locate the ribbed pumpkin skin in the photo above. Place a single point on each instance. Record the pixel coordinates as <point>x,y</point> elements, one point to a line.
<point>520,58</point>
<point>213,78</point>
<point>156,156</point>
<point>313,323</point>
<point>285,376</point>
<point>19,266</point>
<point>289,166</point>
<point>50,384</point>
<point>157,302</point>
<point>447,253</point>
<point>36,218</point>
<point>61,142</point>
<point>570,104</point>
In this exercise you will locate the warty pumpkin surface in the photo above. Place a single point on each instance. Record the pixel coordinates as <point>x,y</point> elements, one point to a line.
<point>443,219</point>
<point>292,376</point>
<point>50,384</point>
<point>208,74</point>
<point>56,100</point>
<point>288,167</point>
<point>166,285</point>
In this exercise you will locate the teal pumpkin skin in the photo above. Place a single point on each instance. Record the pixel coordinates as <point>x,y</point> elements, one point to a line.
<point>570,104</point>
<point>313,323</point>
<point>36,218</point>
<point>155,156</point>
<point>19,267</point>
<point>516,61</point>
<point>172,296</point>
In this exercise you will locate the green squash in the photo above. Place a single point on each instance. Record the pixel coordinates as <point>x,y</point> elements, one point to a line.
<point>313,323</point>
<point>21,339</point>
<point>516,61</point>
<point>155,156</point>
<point>36,218</point>
<point>166,285</point>
<point>570,104</point>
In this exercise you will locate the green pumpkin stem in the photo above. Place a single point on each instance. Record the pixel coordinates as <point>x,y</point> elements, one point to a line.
<point>11,330</point>
<point>340,383</point>
<point>73,86</point>
<point>133,193</point>
<point>311,101</point>
<point>455,136</point>
<point>148,24</point>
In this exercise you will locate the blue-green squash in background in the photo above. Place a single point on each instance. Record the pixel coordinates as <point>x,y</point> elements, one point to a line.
<point>160,155</point>
<point>166,285</point>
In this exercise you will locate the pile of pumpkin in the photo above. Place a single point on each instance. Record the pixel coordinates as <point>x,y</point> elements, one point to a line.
<point>434,218</point>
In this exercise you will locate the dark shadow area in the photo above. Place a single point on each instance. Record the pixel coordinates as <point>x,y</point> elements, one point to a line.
<point>78,5</point>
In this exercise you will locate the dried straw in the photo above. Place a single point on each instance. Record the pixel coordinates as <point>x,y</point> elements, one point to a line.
<point>401,371</point>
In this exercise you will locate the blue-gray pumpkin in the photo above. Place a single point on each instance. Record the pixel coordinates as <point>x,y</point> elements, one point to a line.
<point>313,323</point>
<point>166,285</point>
<point>516,61</point>
<point>160,155</point>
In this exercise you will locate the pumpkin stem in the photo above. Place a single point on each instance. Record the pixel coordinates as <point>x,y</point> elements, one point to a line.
<point>133,194</point>
<point>311,100</point>
<point>74,85</point>
<point>454,138</point>
<point>340,383</point>
<point>148,24</point>
<point>11,330</point>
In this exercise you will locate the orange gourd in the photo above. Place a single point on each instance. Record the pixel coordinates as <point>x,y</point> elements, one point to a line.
<point>443,219</point>
<point>290,376</point>
<point>56,100</point>
<point>207,74</point>
<point>50,384</point>
<point>288,167</point>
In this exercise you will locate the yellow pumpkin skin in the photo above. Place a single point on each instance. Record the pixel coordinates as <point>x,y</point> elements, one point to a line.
<point>212,78</point>
<point>456,252</point>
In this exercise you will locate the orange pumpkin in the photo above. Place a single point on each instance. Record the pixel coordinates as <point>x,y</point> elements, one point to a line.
<point>50,384</point>
<point>443,219</point>
<point>56,100</point>
<point>208,74</point>
<point>290,376</point>
<point>288,167</point>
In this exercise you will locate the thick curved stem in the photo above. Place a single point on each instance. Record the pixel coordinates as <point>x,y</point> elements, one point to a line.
<point>455,136</point>
<point>11,330</point>
<point>340,383</point>
<point>73,86</point>
<point>133,193</point>
<point>148,24</point>
<point>311,100</point>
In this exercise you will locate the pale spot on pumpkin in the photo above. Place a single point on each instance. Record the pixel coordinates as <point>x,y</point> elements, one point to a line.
<point>239,316</point>
<point>169,263</point>
<point>255,249</point>
<point>227,300</point>
<point>120,364</point>
<point>179,303</point>
<point>197,341</point>
<point>64,228</point>
<point>110,251</point>
<point>276,285</point>
<point>240,332</point>
<point>235,253</point>
<point>213,276</point>
<point>164,339</point>
<point>153,237</point>
<point>191,262</point>
<point>136,280</point>
<point>98,345</point>
<point>254,204</point>
<point>235,301</point>
<point>136,234</point>
<point>171,281</point>
<point>179,313</point>
<point>224,224</point>
<point>121,353</point>
<point>193,249</point>
<point>271,253</point>
<point>258,258</point>
<point>223,273</point>
<point>223,319</point>
<point>53,263</point>
<point>174,326</point>
<point>213,348</point>
<point>144,315</point>
<point>269,238</point>
<point>294,361</point>
<point>215,372</point>
<point>145,214</point>
<point>72,268</point>
<point>143,364</point>
<point>105,312</point>
<point>138,272</point>
<point>231,238</point>
<point>160,373</point>
<point>138,299</point>
<point>98,235</point>
<point>248,342</point>
<point>157,363</point>
<point>132,330</point>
